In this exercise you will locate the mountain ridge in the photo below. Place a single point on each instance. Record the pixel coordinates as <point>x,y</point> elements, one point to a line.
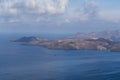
<point>113,35</point>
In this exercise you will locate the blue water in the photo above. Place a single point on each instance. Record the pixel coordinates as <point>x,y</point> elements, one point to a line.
<point>19,62</point>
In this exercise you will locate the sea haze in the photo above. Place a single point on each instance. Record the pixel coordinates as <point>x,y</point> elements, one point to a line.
<point>18,62</point>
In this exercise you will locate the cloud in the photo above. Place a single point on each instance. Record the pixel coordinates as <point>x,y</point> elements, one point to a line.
<point>111,16</point>
<point>23,9</point>
<point>91,9</point>
<point>43,6</point>
<point>88,10</point>
<point>33,6</point>
<point>52,11</point>
<point>6,7</point>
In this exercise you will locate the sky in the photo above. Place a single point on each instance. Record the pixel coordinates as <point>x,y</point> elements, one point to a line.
<point>58,16</point>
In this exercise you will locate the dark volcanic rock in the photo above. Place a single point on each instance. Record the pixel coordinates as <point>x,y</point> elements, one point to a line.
<point>26,39</point>
<point>30,39</point>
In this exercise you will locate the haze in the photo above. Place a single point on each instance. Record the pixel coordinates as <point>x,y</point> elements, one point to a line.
<point>58,16</point>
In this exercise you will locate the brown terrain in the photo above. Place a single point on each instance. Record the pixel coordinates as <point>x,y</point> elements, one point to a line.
<point>77,43</point>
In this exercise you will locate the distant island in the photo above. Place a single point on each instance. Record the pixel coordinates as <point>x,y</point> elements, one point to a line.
<point>106,40</point>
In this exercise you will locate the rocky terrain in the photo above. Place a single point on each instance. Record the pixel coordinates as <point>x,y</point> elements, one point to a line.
<point>112,35</point>
<point>88,43</point>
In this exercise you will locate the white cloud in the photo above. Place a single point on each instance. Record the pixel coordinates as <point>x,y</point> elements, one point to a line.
<point>91,9</point>
<point>26,10</point>
<point>13,20</point>
<point>63,5</point>
<point>88,10</point>
<point>6,7</point>
<point>113,16</point>
<point>33,6</point>
<point>52,11</point>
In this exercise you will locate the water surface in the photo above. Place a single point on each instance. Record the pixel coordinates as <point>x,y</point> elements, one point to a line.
<point>19,62</point>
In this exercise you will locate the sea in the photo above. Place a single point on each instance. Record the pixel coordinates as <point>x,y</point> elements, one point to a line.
<point>18,62</point>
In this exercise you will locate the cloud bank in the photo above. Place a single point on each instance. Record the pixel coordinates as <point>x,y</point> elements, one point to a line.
<point>25,9</point>
<point>33,6</point>
<point>51,11</point>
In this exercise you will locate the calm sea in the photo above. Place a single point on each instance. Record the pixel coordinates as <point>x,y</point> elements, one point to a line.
<point>19,62</point>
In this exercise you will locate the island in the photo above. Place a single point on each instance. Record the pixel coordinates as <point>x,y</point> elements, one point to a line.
<point>72,43</point>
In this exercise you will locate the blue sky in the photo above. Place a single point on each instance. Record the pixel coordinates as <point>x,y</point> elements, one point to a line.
<point>58,16</point>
